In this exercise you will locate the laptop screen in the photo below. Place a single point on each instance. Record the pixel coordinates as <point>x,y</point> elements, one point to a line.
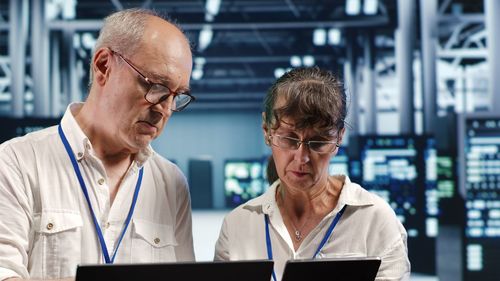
<point>338,269</point>
<point>255,270</point>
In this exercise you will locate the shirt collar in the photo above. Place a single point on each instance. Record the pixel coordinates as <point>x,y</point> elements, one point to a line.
<point>351,194</point>
<point>80,143</point>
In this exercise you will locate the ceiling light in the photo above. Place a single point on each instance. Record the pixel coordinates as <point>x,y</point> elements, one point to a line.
<point>200,61</point>
<point>334,36</point>
<point>278,72</point>
<point>295,61</point>
<point>319,37</point>
<point>211,9</point>
<point>205,37</point>
<point>353,7</point>
<point>308,60</point>
<point>197,74</point>
<point>370,7</point>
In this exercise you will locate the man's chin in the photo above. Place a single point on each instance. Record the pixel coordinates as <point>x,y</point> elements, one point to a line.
<point>142,142</point>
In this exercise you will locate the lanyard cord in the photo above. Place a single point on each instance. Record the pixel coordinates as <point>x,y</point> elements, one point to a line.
<point>268,244</point>
<point>321,245</point>
<point>107,258</point>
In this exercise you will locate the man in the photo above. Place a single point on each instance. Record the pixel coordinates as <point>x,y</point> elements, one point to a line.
<point>92,190</point>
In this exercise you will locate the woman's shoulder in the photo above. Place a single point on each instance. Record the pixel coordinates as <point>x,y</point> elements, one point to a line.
<point>248,209</point>
<point>367,202</point>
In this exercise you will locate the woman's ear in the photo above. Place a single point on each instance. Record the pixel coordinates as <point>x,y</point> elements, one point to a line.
<point>340,137</point>
<point>265,129</point>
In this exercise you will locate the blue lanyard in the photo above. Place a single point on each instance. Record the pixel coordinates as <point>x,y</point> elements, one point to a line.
<point>321,245</point>
<point>105,253</point>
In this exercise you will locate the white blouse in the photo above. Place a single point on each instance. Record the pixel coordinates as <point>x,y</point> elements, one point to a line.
<point>368,227</point>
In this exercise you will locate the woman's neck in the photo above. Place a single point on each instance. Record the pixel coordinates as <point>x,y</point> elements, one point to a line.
<point>318,201</point>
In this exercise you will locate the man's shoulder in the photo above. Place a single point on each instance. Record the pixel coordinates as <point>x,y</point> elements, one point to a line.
<point>44,138</point>
<point>162,162</point>
<point>164,168</point>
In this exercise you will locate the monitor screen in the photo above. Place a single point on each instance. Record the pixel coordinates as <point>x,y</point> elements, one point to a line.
<point>243,180</point>
<point>480,183</point>
<point>390,168</point>
<point>402,170</point>
<point>446,182</point>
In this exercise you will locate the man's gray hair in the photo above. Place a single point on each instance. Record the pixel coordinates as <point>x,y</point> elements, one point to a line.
<point>122,32</point>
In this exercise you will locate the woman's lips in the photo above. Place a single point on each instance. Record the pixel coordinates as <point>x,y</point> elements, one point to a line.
<point>299,174</point>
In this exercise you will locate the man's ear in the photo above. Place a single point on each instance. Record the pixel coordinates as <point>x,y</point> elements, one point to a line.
<point>100,65</point>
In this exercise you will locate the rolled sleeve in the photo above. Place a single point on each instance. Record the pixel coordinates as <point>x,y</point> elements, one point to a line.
<point>395,264</point>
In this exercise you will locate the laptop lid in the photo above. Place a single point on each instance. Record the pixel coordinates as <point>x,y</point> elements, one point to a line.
<point>336,269</point>
<point>254,270</point>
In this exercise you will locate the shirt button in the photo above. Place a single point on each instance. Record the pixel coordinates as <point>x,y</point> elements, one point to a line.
<point>50,226</point>
<point>87,146</point>
<point>80,155</point>
<point>106,225</point>
<point>157,240</point>
<point>100,181</point>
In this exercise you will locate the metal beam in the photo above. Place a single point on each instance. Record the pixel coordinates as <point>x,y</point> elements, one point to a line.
<point>462,53</point>
<point>226,105</point>
<point>258,59</point>
<point>369,84</point>
<point>492,8</point>
<point>405,39</point>
<point>467,18</point>
<point>17,53</point>
<point>40,59</point>
<point>429,43</point>
<point>350,70</point>
<point>233,81</point>
<point>372,22</point>
<point>259,96</point>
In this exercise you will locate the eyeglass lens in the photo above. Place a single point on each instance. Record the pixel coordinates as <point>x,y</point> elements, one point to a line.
<point>294,144</point>
<point>158,93</point>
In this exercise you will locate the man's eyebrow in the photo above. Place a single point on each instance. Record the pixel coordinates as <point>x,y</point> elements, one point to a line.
<point>161,79</point>
<point>157,78</point>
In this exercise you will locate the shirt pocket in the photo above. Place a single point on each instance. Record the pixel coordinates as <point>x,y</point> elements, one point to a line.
<point>56,248</point>
<point>152,242</point>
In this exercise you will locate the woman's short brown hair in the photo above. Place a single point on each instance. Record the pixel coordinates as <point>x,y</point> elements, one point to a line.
<point>313,98</point>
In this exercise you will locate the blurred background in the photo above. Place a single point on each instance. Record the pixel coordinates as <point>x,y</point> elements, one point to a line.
<point>423,85</point>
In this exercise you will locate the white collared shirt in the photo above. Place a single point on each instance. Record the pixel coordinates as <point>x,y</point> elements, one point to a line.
<point>46,229</point>
<point>368,227</point>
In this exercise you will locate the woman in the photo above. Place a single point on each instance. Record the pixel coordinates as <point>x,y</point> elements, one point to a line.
<point>303,124</point>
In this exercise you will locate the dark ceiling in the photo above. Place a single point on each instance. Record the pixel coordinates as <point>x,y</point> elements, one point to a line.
<point>251,39</point>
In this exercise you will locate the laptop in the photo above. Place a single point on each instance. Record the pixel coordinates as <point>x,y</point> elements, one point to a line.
<point>253,270</point>
<point>336,269</point>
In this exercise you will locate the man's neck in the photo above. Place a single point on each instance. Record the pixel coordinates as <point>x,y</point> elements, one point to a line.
<point>110,152</point>
<point>115,158</point>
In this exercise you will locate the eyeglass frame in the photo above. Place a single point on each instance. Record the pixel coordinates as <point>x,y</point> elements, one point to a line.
<point>152,84</point>
<point>299,142</point>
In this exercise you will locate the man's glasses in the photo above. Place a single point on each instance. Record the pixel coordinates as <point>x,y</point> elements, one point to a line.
<point>290,143</point>
<point>157,93</point>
